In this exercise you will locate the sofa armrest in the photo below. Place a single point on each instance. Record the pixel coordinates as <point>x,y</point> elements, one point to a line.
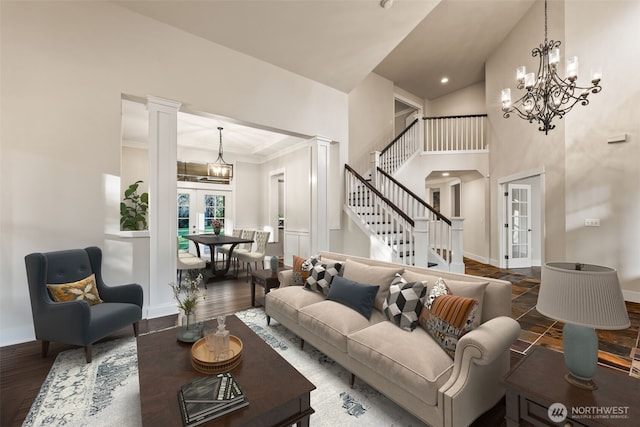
<point>284,276</point>
<point>491,339</point>
<point>482,346</point>
<point>482,359</point>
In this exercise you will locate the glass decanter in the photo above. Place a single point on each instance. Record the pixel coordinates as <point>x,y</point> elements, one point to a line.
<point>221,340</point>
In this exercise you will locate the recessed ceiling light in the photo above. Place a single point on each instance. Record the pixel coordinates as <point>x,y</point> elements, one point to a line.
<point>445,173</point>
<point>444,80</point>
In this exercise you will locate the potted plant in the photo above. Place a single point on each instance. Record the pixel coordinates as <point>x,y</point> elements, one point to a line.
<point>133,208</point>
<point>187,298</point>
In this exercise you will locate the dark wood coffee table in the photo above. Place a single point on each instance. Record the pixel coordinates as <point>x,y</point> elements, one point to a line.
<point>278,394</point>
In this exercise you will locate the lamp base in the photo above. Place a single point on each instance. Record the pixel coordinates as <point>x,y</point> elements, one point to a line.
<point>584,384</point>
<point>580,346</point>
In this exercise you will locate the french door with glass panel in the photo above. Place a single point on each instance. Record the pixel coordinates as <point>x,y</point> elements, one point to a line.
<point>197,209</point>
<point>519,227</point>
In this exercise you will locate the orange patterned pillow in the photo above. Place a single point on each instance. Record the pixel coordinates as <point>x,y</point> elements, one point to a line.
<point>448,319</point>
<point>299,275</point>
<point>85,289</point>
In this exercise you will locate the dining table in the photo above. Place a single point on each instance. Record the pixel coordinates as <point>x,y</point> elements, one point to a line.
<point>213,240</point>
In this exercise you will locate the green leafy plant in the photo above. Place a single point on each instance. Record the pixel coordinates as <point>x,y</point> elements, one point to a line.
<point>133,208</point>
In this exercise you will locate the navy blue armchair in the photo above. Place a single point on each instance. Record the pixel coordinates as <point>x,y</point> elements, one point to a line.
<point>76,322</point>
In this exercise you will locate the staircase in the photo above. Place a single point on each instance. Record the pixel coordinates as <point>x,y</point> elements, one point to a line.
<point>408,229</point>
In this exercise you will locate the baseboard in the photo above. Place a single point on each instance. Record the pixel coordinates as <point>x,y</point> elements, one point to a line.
<point>631,296</point>
<point>478,258</point>
<point>18,335</point>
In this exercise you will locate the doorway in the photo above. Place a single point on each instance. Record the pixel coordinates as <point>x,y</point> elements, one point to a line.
<point>521,218</point>
<point>277,206</point>
<point>197,209</point>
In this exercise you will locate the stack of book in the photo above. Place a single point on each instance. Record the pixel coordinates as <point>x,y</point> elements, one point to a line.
<point>207,398</point>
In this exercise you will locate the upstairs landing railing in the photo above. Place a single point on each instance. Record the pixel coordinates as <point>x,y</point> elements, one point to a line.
<point>455,133</point>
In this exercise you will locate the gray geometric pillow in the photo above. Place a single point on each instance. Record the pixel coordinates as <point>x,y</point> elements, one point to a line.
<point>404,302</point>
<point>321,275</point>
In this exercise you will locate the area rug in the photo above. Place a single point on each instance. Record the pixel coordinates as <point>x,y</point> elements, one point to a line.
<point>335,402</point>
<point>106,392</point>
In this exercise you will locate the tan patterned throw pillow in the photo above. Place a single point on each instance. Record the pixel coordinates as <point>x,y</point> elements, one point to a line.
<point>447,319</point>
<point>85,289</point>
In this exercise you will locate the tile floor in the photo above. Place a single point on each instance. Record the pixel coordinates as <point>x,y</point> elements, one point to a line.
<point>618,349</point>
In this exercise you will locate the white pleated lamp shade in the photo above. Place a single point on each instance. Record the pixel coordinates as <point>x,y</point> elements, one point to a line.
<point>589,297</point>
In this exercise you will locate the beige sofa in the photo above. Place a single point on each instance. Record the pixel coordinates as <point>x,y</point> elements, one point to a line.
<point>409,367</point>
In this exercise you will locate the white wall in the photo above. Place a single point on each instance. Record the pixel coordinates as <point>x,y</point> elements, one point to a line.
<point>584,177</point>
<point>64,68</point>
<point>473,210</point>
<point>516,146</point>
<point>466,101</point>
<point>371,116</point>
<point>602,179</point>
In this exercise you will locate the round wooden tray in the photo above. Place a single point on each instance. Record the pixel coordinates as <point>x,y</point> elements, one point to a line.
<point>203,362</point>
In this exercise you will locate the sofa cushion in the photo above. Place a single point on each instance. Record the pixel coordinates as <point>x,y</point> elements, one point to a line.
<point>371,275</point>
<point>356,295</point>
<point>404,302</point>
<point>321,275</point>
<point>333,322</point>
<point>412,360</point>
<point>288,300</point>
<point>447,319</point>
<point>82,290</point>
<point>463,288</point>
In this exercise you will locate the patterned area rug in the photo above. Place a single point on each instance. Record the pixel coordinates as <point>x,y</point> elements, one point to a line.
<point>106,392</point>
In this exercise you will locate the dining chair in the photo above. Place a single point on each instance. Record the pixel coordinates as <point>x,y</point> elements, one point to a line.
<point>243,247</point>
<point>186,261</point>
<point>261,239</point>
<point>224,249</point>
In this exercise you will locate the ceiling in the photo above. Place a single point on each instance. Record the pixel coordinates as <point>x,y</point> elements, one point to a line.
<point>200,132</point>
<point>414,43</point>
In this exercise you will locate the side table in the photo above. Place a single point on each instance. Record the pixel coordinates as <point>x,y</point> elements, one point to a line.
<point>537,384</point>
<point>266,278</point>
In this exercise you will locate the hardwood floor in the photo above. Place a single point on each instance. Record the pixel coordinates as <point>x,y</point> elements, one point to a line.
<point>23,370</point>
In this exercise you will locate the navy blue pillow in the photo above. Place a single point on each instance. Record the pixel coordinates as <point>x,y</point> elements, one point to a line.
<point>355,295</point>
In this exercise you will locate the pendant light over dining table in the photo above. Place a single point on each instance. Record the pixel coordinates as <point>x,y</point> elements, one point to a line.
<point>220,170</point>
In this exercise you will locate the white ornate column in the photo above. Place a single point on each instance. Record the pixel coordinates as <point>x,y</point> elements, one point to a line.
<point>163,140</point>
<point>319,227</point>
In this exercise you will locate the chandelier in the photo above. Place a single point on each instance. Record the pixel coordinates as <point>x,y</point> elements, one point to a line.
<point>220,170</point>
<point>547,94</point>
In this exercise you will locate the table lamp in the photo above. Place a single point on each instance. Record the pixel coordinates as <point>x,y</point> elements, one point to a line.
<point>585,297</point>
<point>274,252</point>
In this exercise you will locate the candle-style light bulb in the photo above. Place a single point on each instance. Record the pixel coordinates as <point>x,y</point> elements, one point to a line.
<point>529,80</point>
<point>554,56</point>
<point>506,98</point>
<point>572,68</point>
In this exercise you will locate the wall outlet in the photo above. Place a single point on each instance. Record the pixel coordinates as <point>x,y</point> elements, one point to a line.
<point>592,222</point>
